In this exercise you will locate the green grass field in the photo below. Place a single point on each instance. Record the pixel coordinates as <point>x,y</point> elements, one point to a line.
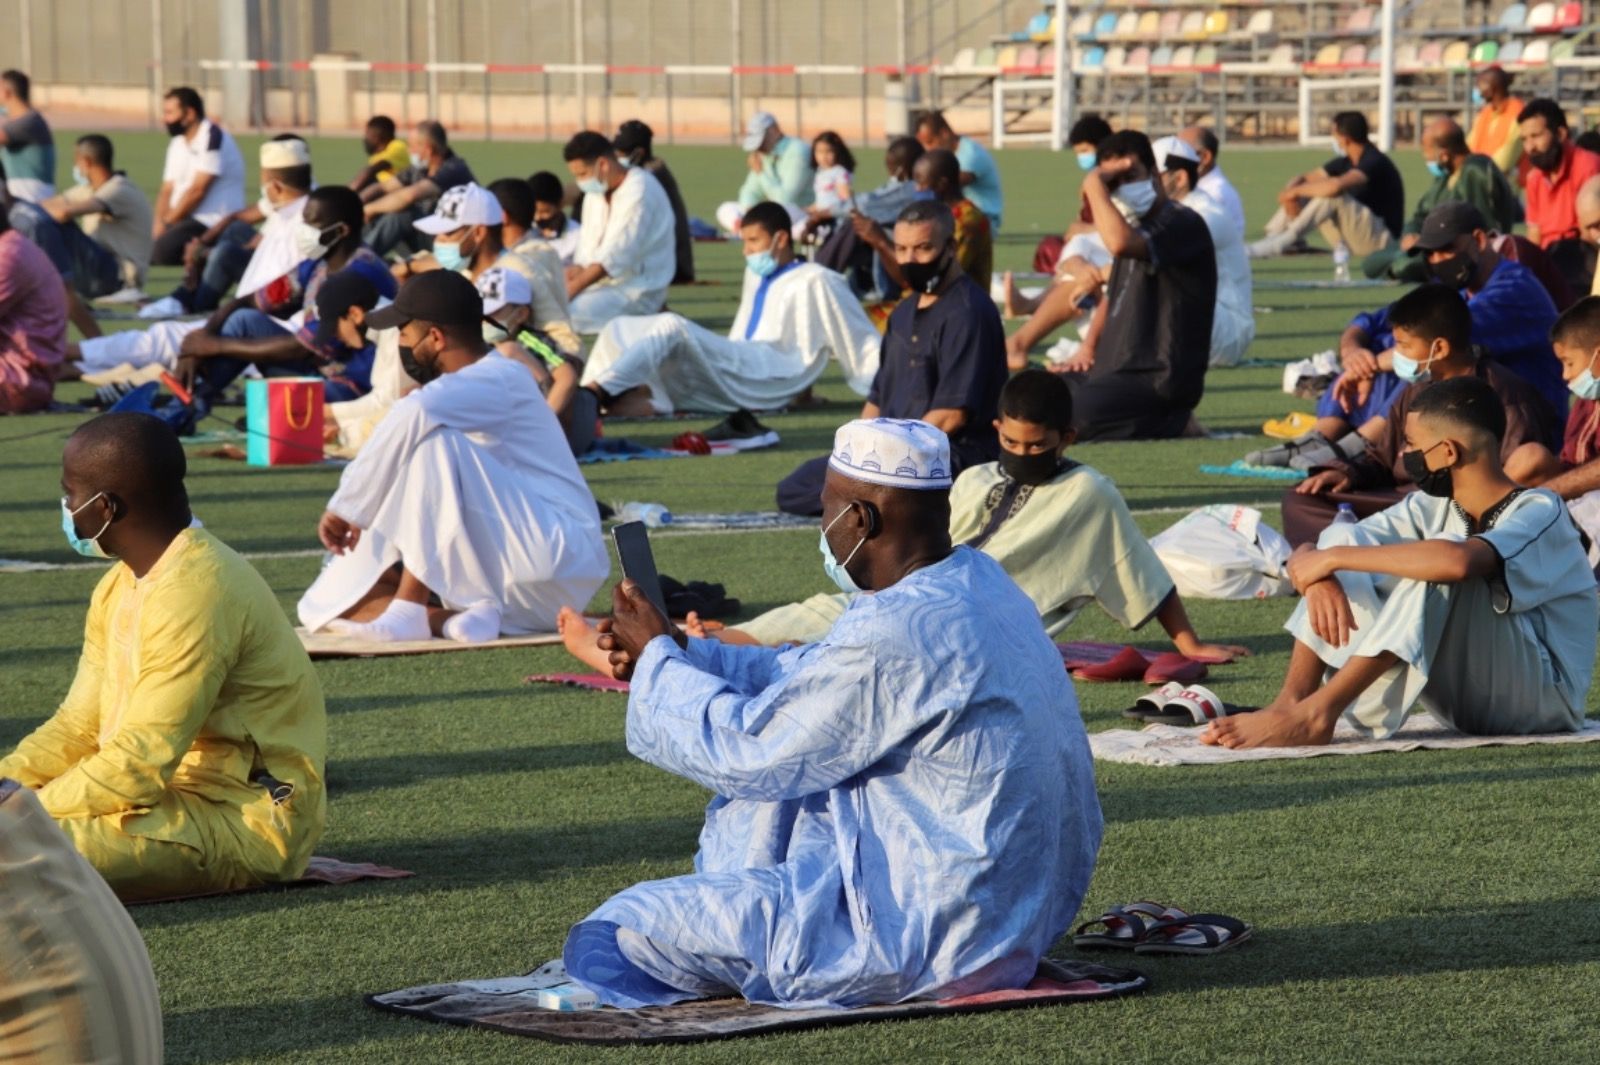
<point>1426,907</point>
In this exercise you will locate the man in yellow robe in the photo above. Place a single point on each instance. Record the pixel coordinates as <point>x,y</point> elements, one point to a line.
<point>188,755</point>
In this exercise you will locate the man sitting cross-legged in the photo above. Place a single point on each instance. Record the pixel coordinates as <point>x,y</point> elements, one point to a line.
<point>792,316</point>
<point>1470,598</point>
<point>1060,529</point>
<point>464,515</point>
<point>187,756</point>
<point>903,810</point>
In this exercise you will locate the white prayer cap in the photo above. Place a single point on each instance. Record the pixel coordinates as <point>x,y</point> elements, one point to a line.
<point>894,452</point>
<point>1173,148</point>
<point>755,130</point>
<point>281,155</point>
<point>503,288</point>
<point>463,205</point>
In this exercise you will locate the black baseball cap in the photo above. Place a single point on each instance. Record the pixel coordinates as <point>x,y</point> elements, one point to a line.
<point>442,297</point>
<point>337,295</point>
<point>1446,222</point>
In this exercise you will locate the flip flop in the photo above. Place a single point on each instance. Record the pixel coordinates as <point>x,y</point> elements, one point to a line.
<point>1172,666</point>
<point>1291,426</point>
<point>1128,664</point>
<point>1152,702</point>
<point>1198,933</point>
<point>1193,705</point>
<point>1125,926</point>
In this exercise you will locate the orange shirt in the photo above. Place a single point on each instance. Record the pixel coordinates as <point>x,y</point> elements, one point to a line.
<point>1492,129</point>
<point>1552,198</point>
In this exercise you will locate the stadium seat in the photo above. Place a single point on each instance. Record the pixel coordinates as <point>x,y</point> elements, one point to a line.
<point>1039,26</point>
<point>1353,56</point>
<point>1405,56</point>
<point>1217,23</point>
<point>1205,56</point>
<point>1193,25</point>
<point>1161,57</point>
<point>1105,26</point>
<point>1514,17</point>
<point>1138,59</point>
<point>1127,26</point>
<point>1149,25</point>
<point>1047,58</point>
<point>1006,57</point>
<point>1260,22</point>
<point>1542,17</point>
<point>964,59</point>
<point>1183,57</point>
<point>1327,56</point>
<point>1171,23</point>
<point>985,57</point>
<point>1360,20</point>
<point>1282,56</point>
<point>1486,52</point>
<point>1537,53</point>
<point>1082,25</point>
<point>1564,49</point>
<point>1511,53</point>
<point>1094,59</point>
<point>1116,58</point>
<point>1455,55</point>
<point>1430,54</point>
<point>1569,16</point>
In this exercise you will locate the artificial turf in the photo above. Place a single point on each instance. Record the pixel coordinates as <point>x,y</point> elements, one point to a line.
<point>1428,907</point>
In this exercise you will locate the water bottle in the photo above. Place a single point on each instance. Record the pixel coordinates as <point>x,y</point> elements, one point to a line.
<point>1341,263</point>
<point>654,515</point>
<point>1345,516</point>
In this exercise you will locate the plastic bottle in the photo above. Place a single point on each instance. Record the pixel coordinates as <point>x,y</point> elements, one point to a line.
<point>654,515</point>
<point>1341,263</point>
<point>1345,516</point>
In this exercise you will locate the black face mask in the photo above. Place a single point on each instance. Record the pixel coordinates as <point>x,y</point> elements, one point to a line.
<point>925,277</point>
<point>1433,482</point>
<point>1032,469</point>
<point>1456,271</point>
<point>175,129</point>
<point>553,226</point>
<point>418,371</point>
<point>1548,159</point>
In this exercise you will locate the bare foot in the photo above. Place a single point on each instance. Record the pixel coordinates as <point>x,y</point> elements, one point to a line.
<point>1294,726</point>
<point>1017,350</point>
<point>693,626</point>
<point>579,638</point>
<point>1008,305</point>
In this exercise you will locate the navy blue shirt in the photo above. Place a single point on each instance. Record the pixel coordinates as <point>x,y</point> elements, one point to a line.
<point>949,356</point>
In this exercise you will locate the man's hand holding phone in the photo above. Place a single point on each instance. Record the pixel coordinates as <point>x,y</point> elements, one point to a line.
<point>634,622</point>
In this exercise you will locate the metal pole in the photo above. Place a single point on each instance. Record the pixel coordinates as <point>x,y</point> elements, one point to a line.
<point>488,54</point>
<point>405,75</point>
<point>1065,83</point>
<point>1386,80</point>
<point>157,73</point>
<point>233,29</point>
<point>25,25</point>
<point>433,57</point>
<point>580,83</point>
<point>735,83</point>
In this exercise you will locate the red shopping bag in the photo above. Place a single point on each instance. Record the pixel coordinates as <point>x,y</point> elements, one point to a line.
<point>283,420</point>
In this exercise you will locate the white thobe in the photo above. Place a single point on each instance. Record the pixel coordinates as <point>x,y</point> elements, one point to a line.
<point>1233,324</point>
<point>629,232</point>
<point>470,484</point>
<point>276,252</point>
<point>358,418</point>
<point>1216,185</point>
<point>807,315</point>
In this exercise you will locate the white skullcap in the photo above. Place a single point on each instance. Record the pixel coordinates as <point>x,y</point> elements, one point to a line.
<point>462,205</point>
<point>755,130</point>
<point>1173,148</point>
<point>894,452</point>
<point>281,155</point>
<point>500,287</point>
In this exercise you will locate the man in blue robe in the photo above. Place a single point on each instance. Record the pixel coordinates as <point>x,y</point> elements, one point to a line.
<point>905,809</point>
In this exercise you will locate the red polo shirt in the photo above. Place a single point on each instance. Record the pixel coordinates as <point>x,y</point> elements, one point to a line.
<point>1552,198</point>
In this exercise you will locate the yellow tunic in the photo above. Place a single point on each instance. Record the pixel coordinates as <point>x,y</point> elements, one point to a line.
<point>193,697</point>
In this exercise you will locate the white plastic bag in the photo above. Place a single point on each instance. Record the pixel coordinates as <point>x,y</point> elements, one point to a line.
<point>1322,364</point>
<point>1225,552</point>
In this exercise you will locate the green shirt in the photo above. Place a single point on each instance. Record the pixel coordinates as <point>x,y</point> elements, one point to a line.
<point>1479,182</point>
<point>785,176</point>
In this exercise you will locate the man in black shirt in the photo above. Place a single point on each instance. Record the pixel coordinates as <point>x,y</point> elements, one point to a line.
<point>394,202</point>
<point>944,354</point>
<point>633,144</point>
<point>1356,198</point>
<point>1141,369</point>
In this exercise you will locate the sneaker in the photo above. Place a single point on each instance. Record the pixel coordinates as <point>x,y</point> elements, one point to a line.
<point>1284,454</point>
<point>742,432</point>
<point>1351,446</point>
<point>165,307</point>
<point>124,295</point>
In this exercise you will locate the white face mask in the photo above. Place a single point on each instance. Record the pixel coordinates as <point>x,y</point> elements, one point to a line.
<point>308,241</point>
<point>1136,197</point>
<point>266,206</point>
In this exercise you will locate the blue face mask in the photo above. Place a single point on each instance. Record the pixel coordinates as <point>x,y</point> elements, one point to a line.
<point>88,546</point>
<point>592,186</point>
<point>449,255</point>
<point>1477,97</point>
<point>1086,161</point>
<point>761,263</point>
<point>833,567</point>
<point>1410,370</point>
<point>624,162</point>
<point>79,177</point>
<point>1585,385</point>
<point>1438,169</point>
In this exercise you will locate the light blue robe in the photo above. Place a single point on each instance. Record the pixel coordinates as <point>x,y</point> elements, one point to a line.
<point>905,809</point>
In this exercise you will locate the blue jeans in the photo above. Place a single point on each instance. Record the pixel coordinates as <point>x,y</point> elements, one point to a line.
<point>225,265</point>
<point>387,232</point>
<point>77,257</point>
<point>216,374</point>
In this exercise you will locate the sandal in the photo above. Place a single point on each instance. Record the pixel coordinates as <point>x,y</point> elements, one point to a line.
<point>1200,933</point>
<point>1193,705</point>
<point>1125,926</point>
<point>1153,702</point>
<point>1291,426</point>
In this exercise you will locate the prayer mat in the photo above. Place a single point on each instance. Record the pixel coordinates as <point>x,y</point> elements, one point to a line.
<point>334,645</point>
<point>507,1006</point>
<point>318,871</point>
<point>755,519</point>
<point>595,682</point>
<point>1260,473</point>
<point>1165,745</point>
<point>1076,655</point>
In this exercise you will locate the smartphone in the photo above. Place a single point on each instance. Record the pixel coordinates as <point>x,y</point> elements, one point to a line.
<point>638,563</point>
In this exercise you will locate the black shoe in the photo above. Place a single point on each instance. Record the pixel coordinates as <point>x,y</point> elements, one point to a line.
<point>742,432</point>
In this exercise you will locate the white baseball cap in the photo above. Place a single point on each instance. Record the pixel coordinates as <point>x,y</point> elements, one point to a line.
<point>281,155</point>
<point>501,288</point>
<point>1173,148</point>
<point>755,130</point>
<point>894,452</point>
<point>464,205</point>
